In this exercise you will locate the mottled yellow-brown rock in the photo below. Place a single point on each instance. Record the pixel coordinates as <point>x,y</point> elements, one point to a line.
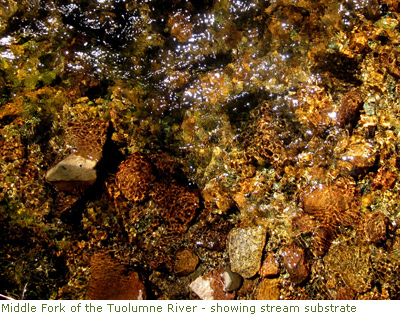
<point>186,262</point>
<point>245,247</point>
<point>135,177</point>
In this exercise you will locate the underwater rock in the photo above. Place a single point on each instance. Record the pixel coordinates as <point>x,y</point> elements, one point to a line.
<point>211,286</point>
<point>374,227</point>
<point>352,263</point>
<point>384,180</point>
<point>215,192</point>
<point>12,149</point>
<point>186,262</point>
<point>270,266</point>
<point>110,280</point>
<point>295,263</point>
<point>77,172</point>
<point>332,203</point>
<point>324,235</point>
<point>245,246</point>
<point>359,155</point>
<point>180,26</point>
<point>345,293</point>
<point>135,177</point>
<point>349,111</point>
<point>231,280</point>
<point>73,174</point>
<point>269,289</point>
<point>211,234</point>
<point>87,138</point>
<point>177,204</point>
<point>202,287</point>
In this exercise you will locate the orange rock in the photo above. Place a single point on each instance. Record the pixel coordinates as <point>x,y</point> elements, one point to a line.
<point>269,289</point>
<point>269,267</point>
<point>384,180</point>
<point>332,203</point>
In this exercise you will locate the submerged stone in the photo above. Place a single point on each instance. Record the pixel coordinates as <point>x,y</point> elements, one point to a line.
<point>73,174</point>
<point>245,247</point>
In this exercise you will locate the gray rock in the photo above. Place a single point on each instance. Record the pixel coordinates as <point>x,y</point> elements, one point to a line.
<point>232,280</point>
<point>245,246</point>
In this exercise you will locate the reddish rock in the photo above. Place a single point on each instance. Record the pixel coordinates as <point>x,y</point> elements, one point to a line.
<point>295,263</point>
<point>110,280</point>
<point>270,266</point>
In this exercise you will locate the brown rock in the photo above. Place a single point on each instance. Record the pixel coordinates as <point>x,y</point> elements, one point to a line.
<point>176,203</point>
<point>332,203</point>
<point>270,266</point>
<point>269,289</point>
<point>211,234</point>
<point>323,239</point>
<point>295,263</point>
<point>185,262</point>
<point>349,111</point>
<point>344,293</point>
<point>111,281</point>
<point>135,177</point>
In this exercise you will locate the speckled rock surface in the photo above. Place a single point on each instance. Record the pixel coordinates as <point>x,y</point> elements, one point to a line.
<point>245,247</point>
